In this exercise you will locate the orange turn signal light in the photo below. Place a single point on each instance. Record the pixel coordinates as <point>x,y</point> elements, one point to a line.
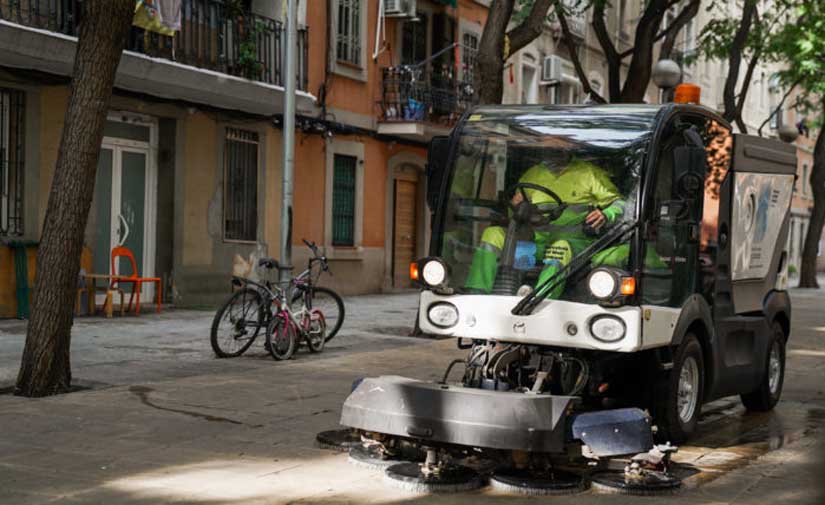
<point>414,271</point>
<point>628,286</point>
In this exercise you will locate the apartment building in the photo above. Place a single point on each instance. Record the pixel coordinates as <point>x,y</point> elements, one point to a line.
<point>190,166</point>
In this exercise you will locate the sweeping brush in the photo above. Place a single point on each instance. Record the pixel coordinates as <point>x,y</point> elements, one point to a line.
<point>338,440</point>
<point>371,458</point>
<point>523,483</point>
<point>454,479</point>
<point>651,485</point>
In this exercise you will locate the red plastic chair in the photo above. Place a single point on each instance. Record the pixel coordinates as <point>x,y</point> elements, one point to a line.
<point>133,279</point>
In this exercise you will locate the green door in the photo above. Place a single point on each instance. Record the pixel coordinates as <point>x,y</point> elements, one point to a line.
<point>119,210</point>
<point>131,222</point>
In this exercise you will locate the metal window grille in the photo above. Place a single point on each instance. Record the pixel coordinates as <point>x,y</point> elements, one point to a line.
<point>348,41</point>
<point>241,185</point>
<point>12,103</point>
<point>469,53</point>
<point>343,200</point>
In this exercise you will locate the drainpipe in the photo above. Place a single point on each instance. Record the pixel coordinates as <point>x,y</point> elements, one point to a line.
<point>289,139</point>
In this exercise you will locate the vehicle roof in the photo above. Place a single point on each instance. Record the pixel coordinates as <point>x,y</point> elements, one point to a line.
<point>638,114</point>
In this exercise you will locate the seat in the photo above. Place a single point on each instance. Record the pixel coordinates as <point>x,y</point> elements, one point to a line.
<point>134,279</point>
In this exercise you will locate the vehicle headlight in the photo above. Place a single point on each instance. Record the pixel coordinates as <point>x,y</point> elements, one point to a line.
<point>603,283</point>
<point>607,329</point>
<point>433,272</point>
<point>443,314</point>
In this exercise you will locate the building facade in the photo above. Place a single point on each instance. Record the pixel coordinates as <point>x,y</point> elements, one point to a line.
<point>190,174</point>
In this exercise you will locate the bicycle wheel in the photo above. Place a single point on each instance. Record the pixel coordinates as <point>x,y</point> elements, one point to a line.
<point>280,338</point>
<point>237,323</point>
<point>331,306</point>
<point>316,336</point>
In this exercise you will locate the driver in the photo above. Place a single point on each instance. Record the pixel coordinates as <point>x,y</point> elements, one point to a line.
<point>592,202</point>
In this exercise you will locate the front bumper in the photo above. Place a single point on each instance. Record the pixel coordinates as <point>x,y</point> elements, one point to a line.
<point>488,317</point>
<point>457,415</point>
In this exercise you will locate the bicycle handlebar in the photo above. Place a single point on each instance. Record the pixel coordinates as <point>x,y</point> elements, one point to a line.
<point>318,257</point>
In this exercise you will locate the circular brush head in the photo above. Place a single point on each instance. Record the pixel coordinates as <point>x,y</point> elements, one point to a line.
<point>534,483</point>
<point>338,440</point>
<point>371,457</point>
<point>650,483</point>
<point>451,479</point>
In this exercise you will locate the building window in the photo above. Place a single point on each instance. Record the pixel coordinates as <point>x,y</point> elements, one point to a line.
<point>348,44</point>
<point>12,147</point>
<point>343,200</point>
<point>241,185</point>
<point>469,53</point>
<point>805,179</point>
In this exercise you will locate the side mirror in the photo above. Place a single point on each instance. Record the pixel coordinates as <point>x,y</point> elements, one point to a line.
<point>437,153</point>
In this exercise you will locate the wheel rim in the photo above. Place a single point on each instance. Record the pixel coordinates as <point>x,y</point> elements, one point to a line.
<point>774,368</point>
<point>688,392</point>
<point>237,325</point>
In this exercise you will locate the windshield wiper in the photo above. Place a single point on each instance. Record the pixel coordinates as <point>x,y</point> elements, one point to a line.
<point>526,305</point>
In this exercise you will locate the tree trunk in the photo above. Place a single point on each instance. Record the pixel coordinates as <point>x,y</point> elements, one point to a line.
<point>641,63</point>
<point>490,59</point>
<point>45,366</point>
<point>807,273</point>
<point>737,47</point>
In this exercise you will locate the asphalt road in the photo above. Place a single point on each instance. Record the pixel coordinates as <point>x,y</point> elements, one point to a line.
<point>165,422</point>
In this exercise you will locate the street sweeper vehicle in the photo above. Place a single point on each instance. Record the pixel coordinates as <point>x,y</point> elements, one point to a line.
<point>608,269</point>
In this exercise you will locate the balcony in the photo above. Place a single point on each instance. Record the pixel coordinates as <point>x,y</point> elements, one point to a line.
<point>215,38</point>
<point>418,104</point>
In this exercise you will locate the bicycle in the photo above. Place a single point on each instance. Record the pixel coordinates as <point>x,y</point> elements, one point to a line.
<point>256,305</point>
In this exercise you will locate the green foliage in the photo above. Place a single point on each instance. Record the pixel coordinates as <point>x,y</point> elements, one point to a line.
<point>248,61</point>
<point>802,45</point>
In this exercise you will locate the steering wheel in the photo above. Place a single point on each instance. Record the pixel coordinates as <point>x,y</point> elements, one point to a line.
<point>526,211</point>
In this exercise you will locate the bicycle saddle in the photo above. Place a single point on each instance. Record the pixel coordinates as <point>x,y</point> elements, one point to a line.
<point>268,263</point>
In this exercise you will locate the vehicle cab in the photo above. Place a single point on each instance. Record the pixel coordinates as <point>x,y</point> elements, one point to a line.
<point>684,281</point>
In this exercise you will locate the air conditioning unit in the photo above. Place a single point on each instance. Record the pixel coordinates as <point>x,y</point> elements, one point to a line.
<point>555,69</point>
<point>400,8</point>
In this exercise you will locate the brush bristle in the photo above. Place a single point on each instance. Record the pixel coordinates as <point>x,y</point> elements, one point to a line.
<point>337,440</point>
<point>602,483</point>
<point>431,487</point>
<point>505,487</point>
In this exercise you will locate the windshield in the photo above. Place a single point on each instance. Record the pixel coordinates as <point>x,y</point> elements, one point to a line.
<point>532,187</point>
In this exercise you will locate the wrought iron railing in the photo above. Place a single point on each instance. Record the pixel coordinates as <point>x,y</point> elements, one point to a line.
<point>416,94</point>
<point>213,35</point>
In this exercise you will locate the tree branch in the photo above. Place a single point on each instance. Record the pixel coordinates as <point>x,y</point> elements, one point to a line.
<point>530,28</point>
<point>574,55</point>
<point>743,91</point>
<point>614,62</point>
<point>737,47</point>
<point>778,107</point>
<point>671,32</point>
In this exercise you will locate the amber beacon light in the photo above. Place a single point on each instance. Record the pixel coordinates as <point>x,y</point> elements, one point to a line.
<point>687,93</point>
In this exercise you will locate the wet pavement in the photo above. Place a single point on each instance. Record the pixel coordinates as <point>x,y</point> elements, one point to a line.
<point>165,422</point>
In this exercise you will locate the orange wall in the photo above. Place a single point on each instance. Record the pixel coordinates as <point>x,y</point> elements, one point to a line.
<point>358,96</point>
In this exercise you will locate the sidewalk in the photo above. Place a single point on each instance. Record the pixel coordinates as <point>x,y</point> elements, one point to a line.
<point>242,431</point>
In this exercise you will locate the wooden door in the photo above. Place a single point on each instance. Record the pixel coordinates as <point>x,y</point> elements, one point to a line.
<point>404,232</point>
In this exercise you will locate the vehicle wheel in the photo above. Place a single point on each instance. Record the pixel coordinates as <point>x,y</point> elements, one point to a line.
<point>330,304</point>
<point>770,388</point>
<point>316,337</point>
<point>678,399</point>
<point>280,339</point>
<point>237,323</point>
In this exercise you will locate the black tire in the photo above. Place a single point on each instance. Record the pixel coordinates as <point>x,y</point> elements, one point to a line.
<point>280,339</point>
<point>766,396</point>
<point>330,304</point>
<point>241,311</point>
<point>316,337</point>
<point>676,421</point>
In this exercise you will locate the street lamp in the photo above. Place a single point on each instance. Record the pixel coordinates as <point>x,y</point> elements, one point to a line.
<point>788,133</point>
<point>666,75</point>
